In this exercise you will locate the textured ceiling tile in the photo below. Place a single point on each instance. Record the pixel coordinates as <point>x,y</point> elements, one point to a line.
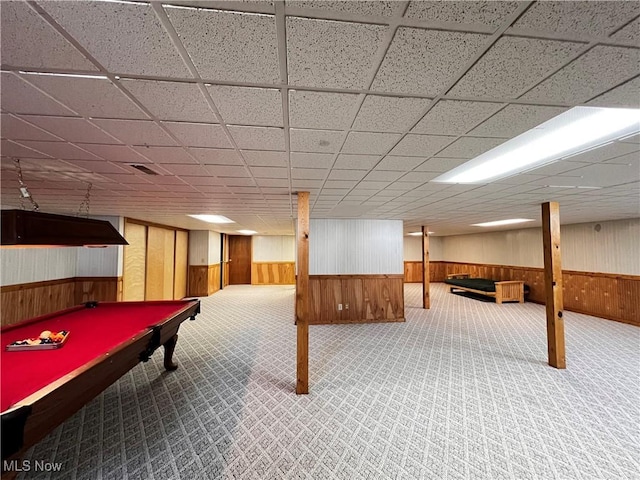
<point>98,166</point>
<point>125,38</point>
<point>171,100</point>
<point>114,153</point>
<point>630,33</point>
<point>321,109</point>
<point>17,96</point>
<point>347,175</point>
<point>356,162</point>
<point>269,172</point>
<point>606,152</point>
<point>16,129</point>
<point>214,156</point>
<point>228,171</point>
<point>182,169</point>
<point>248,106</point>
<point>383,175</point>
<point>511,65</point>
<point>588,18</point>
<point>10,149</point>
<point>470,147</point>
<point>362,142</point>
<point>402,164</point>
<point>229,46</point>
<point>315,141</point>
<point>331,54</point>
<point>600,69</point>
<point>450,117</point>
<point>311,160</point>
<point>360,7</point>
<point>626,95</point>
<point>29,41</point>
<point>515,119</point>
<point>389,114</point>
<point>308,173</point>
<point>425,61</point>
<point>265,158</point>
<point>604,175</point>
<point>135,132</point>
<point>199,134</point>
<point>489,13</point>
<point>421,145</point>
<point>165,154</point>
<point>71,129</point>
<point>254,138</point>
<point>61,150</point>
<point>419,177</point>
<point>90,97</point>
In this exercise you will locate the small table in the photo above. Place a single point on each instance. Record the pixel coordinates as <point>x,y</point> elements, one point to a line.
<point>41,389</point>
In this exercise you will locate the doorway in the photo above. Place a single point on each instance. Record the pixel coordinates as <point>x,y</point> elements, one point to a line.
<point>239,260</point>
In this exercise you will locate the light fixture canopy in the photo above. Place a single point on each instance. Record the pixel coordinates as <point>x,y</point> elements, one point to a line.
<point>212,218</point>
<point>570,133</point>
<point>497,223</point>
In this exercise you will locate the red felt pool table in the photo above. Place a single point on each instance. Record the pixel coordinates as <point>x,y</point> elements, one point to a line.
<point>40,389</point>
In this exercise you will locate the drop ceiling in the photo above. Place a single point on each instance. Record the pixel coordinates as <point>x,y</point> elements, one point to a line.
<point>238,105</point>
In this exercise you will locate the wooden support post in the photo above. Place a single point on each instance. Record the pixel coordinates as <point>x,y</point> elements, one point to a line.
<point>302,295</point>
<point>553,283</point>
<point>426,300</point>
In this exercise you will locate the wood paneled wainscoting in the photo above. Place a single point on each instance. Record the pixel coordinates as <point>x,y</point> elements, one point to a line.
<point>356,299</point>
<point>606,295</point>
<point>28,300</point>
<point>413,271</point>
<point>204,280</point>
<point>273,273</point>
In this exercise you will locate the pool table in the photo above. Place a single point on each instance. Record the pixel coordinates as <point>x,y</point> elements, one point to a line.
<point>40,389</point>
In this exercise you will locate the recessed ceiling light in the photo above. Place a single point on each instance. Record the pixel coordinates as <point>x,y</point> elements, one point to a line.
<point>497,223</point>
<point>212,218</point>
<point>73,75</point>
<point>247,232</point>
<point>418,234</point>
<point>575,131</point>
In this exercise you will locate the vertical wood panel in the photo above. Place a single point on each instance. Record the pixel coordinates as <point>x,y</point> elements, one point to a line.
<point>135,258</point>
<point>273,273</point>
<point>154,279</point>
<point>426,299</point>
<point>169,253</point>
<point>181,267</point>
<point>303,300</point>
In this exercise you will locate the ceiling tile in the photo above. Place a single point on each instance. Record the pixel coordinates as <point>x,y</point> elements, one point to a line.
<point>488,13</point>
<point>389,114</point>
<point>587,18</point>
<point>269,172</point>
<point>630,33</point>
<point>306,183</point>
<point>40,165</point>
<point>11,149</point>
<point>311,160</point>
<point>229,46</point>
<point>321,109</point>
<point>172,100</point>
<point>254,138</point>
<point>215,156</point>
<point>331,184</point>
<point>470,147</point>
<point>516,119</point>
<point>199,134</point>
<point>606,152</point>
<point>315,141</point>
<point>603,175</point>
<point>182,169</point>
<point>511,65</point>
<point>124,37</point>
<point>308,173</point>
<point>419,177</point>
<point>399,164</point>
<point>282,183</point>
<point>356,162</point>
<point>421,145</point>
<point>353,175</point>
<point>29,41</point>
<point>626,95</point>
<point>135,132</point>
<point>563,167</point>
<point>323,53</point>
<point>600,69</point>
<point>90,97</point>
<point>18,96</point>
<point>71,129</point>
<point>228,171</point>
<point>372,143</point>
<point>409,67</point>
<point>265,158</point>
<point>99,166</point>
<point>383,175</point>
<point>61,150</point>
<point>450,117</point>
<point>16,129</point>
<point>114,153</point>
<point>165,154</point>
<point>360,7</point>
<point>248,106</point>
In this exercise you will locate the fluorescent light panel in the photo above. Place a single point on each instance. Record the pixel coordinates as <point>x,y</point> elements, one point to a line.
<point>418,234</point>
<point>497,223</point>
<point>247,232</point>
<point>72,75</point>
<point>575,131</point>
<point>212,218</point>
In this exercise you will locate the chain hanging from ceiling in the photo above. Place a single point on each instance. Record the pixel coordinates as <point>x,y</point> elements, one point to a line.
<point>24,190</point>
<point>84,206</point>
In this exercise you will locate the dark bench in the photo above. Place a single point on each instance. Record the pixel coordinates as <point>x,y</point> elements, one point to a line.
<point>507,291</point>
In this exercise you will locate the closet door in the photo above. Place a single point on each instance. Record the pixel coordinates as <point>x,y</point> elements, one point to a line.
<point>135,257</point>
<point>160,266</point>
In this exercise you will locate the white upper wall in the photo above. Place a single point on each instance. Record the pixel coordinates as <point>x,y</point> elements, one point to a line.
<point>412,249</point>
<point>101,262</point>
<point>611,248</point>
<point>358,247</point>
<point>275,248</point>
<point>204,247</point>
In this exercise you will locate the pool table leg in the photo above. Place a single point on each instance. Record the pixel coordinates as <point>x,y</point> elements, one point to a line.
<point>169,347</point>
